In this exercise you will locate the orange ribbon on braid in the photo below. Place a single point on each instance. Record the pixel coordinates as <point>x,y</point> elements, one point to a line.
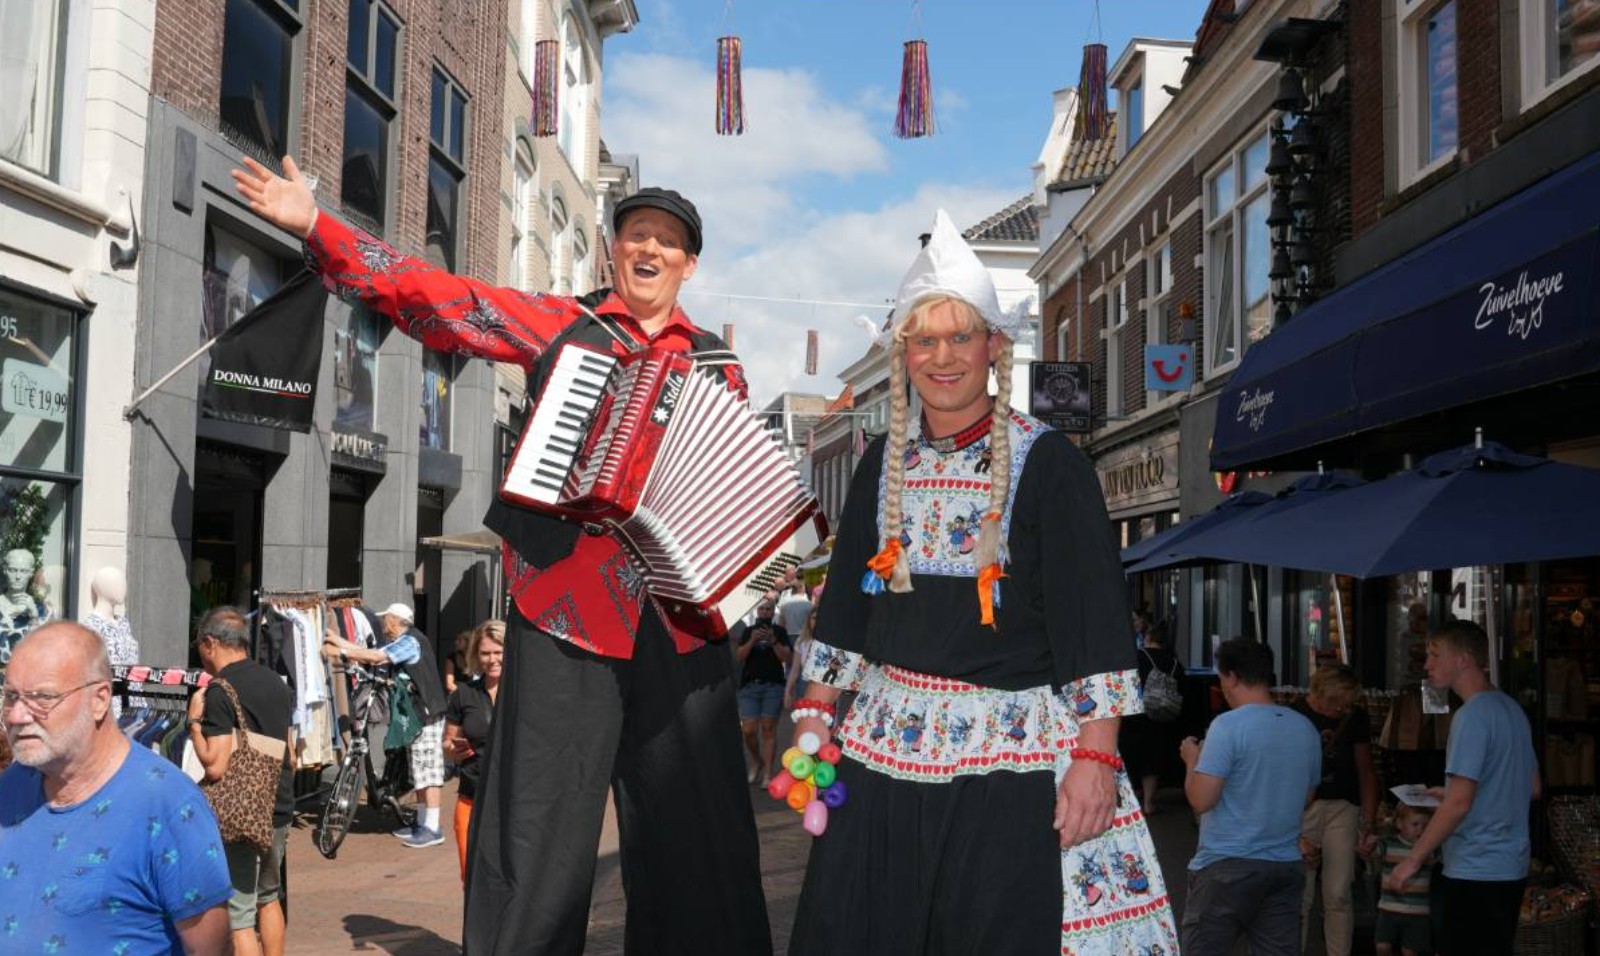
<point>989,583</point>
<point>882,563</point>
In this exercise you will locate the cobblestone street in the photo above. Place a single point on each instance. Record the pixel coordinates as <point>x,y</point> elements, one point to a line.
<point>379,897</point>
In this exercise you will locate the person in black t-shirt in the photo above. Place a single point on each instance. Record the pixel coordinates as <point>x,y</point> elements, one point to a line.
<point>223,644</point>
<point>1338,823</point>
<point>467,719</point>
<point>762,650</point>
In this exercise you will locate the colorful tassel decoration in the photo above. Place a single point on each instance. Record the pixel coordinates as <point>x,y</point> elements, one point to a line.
<point>1093,120</point>
<point>915,117</point>
<point>546,87</point>
<point>880,567</point>
<point>730,87</point>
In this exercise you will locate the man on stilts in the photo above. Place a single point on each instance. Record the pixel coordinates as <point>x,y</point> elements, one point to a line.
<point>599,692</point>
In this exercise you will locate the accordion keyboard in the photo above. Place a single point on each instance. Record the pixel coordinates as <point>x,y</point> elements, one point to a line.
<point>556,432</point>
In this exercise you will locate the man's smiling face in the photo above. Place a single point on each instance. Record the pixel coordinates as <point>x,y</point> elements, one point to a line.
<point>651,253</point>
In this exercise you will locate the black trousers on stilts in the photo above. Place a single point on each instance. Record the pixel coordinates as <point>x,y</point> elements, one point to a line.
<point>662,731</point>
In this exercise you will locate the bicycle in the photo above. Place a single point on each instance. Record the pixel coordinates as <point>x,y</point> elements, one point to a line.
<point>339,811</point>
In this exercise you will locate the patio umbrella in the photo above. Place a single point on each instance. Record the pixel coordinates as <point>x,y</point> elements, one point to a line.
<point>1168,539</point>
<point>1459,508</point>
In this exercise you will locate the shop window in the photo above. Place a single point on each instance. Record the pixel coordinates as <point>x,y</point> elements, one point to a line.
<point>438,390</point>
<point>1321,612</point>
<point>356,339</point>
<point>257,69</point>
<point>447,169</point>
<point>33,557</point>
<point>574,106</point>
<point>1116,327</point>
<point>372,49</point>
<point>39,414</point>
<point>1429,118</point>
<point>32,51</point>
<point>1238,255</point>
<point>237,276</point>
<point>1560,41</point>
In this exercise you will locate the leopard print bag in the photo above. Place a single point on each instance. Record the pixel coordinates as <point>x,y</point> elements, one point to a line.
<point>244,798</point>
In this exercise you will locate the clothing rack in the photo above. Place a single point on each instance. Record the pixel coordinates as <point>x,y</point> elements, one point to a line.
<point>148,676</point>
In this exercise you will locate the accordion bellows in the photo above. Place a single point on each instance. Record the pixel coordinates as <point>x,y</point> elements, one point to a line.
<point>676,466</point>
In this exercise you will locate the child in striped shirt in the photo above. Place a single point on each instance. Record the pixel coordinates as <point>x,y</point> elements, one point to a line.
<point>1403,920</point>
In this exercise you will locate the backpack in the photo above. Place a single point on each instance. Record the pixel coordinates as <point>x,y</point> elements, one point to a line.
<point>1163,700</point>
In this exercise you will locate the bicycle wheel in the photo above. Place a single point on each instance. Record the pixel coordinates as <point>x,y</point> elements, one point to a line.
<point>340,809</point>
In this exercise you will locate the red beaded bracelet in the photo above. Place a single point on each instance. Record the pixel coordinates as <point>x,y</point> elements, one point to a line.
<point>1099,756</point>
<point>817,704</point>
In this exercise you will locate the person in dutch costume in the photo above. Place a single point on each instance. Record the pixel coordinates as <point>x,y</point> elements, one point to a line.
<point>988,811</point>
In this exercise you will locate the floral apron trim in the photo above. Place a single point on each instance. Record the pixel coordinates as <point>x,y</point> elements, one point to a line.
<point>932,729</point>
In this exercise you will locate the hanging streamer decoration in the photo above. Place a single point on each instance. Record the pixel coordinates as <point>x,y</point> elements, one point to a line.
<point>730,87</point>
<point>1093,121</point>
<point>811,351</point>
<point>915,117</point>
<point>546,88</point>
<point>727,334</point>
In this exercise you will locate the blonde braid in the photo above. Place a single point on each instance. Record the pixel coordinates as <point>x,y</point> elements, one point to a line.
<point>990,548</point>
<point>895,463</point>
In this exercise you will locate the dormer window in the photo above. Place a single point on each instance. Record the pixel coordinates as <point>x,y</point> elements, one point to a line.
<point>1132,113</point>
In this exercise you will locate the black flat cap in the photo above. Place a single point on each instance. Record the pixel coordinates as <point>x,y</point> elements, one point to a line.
<point>667,201</point>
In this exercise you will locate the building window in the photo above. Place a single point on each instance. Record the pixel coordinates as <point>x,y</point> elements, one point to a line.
<point>356,339</point>
<point>1116,329</point>
<point>1429,119</point>
<point>574,106</point>
<point>581,280</point>
<point>1158,302</point>
<point>522,215</point>
<point>369,108</point>
<point>447,169</point>
<point>1133,113</point>
<point>257,68</point>
<point>527,36</point>
<point>559,237</point>
<point>32,46</point>
<point>39,468</point>
<point>1560,40</point>
<point>1238,255</point>
<point>438,388</point>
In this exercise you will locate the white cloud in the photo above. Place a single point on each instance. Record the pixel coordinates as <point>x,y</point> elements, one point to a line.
<point>763,237</point>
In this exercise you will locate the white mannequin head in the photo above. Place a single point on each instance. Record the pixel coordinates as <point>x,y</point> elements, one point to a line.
<point>109,587</point>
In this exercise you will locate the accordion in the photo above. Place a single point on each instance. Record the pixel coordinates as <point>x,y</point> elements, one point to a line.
<point>678,468</point>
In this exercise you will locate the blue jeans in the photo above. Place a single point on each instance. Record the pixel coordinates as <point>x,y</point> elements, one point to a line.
<point>1251,898</point>
<point>760,699</point>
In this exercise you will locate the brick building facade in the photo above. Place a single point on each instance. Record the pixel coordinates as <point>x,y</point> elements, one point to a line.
<point>405,112</point>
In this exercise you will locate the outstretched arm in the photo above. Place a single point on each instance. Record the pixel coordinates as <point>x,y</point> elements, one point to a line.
<point>444,311</point>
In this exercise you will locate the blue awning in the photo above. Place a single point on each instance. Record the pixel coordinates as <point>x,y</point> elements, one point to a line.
<point>1508,300</point>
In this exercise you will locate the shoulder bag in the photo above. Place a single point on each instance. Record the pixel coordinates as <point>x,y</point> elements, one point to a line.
<point>243,799</point>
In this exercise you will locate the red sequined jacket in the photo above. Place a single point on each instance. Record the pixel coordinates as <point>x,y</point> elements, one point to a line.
<point>550,566</point>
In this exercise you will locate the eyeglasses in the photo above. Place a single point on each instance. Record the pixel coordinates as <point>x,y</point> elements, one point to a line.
<point>40,703</point>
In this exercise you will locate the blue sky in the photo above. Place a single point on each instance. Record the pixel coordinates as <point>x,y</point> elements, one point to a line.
<point>819,200</point>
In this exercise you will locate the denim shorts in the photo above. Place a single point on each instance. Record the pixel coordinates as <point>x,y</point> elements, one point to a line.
<point>760,699</point>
